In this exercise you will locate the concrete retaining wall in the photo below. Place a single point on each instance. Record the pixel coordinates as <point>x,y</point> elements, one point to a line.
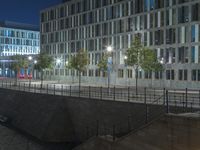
<point>58,119</point>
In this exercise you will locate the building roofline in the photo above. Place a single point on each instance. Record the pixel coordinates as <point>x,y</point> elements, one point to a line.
<point>56,5</point>
<point>16,25</point>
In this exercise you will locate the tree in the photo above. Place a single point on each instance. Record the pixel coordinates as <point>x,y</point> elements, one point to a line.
<point>79,63</point>
<point>44,61</point>
<point>19,62</point>
<point>103,64</point>
<point>139,56</point>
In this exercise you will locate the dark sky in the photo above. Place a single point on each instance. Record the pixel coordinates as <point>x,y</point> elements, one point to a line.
<point>24,11</point>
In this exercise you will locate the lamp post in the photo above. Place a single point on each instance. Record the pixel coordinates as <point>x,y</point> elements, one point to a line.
<point>58,64</point>
<point>109,63</point>
<point>162,61</point>
<point>32,64</point>
<point>125,64</point>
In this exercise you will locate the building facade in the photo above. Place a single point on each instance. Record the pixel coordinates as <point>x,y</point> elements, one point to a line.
<point>170,27</point>
<point>16,39</point>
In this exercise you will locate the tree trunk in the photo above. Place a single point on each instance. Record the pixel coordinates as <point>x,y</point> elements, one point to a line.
<point>16,79</point>
<point>136,80</point>
<point>41,85</point>
<point>79,80</point>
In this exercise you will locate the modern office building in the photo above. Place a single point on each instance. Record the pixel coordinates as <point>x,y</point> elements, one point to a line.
<point>170,27</point>
<point>16,39</point>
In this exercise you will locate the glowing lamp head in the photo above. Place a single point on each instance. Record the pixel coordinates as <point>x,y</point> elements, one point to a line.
<point>30,57</point>
<point>58,61</point>
<point>109,48</point>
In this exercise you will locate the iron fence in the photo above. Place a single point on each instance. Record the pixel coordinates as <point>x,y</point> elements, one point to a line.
<point>166,100</point>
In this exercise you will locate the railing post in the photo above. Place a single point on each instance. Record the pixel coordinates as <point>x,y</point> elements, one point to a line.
<point>128,94</point>
<point>146,106</point>
<point>29,86</point>
<point>87,132</point>
<point>114,93</point>
<point>199,97</point>
<point>164,98</point>
<point>89,92</point>
<point>167,101</point>
<point>114,132</point>
<point>62,90</point>
<point>101,92</point>
<point>145,96</point>
<point>34,88</point>
<point>79,91</point>
<point>97,128</point>
<point>47,89</point>
<point>70,90</point>
<point>129,123</point>
<point>54,89</point>
<point>186,97</point>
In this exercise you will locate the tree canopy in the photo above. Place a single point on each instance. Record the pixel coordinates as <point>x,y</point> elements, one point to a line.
<point>78,61</point>
<point>102,65</point>
<point>44,61</point>
<point>19,62</point>
<point>140,56</point>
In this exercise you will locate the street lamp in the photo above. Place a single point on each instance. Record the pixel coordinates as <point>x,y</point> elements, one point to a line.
<point>125,64</point>
<point>109,48</point>
<point>31,64</point>
<point>35,61</point>
<point>67,63</point>
<point>58,61</point>
<point>109,63</point>
<point>162,62</point>
<point>30,58</point>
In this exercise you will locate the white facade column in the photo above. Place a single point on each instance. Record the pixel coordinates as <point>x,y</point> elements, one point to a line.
<point>196,32</point>
<point>170,17</point>
<point>182,34</point>
<point>159,18</point>
<point>196,54</point>
<point>148,21</point>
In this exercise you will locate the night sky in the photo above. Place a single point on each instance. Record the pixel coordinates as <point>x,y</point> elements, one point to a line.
<point>24,11</point>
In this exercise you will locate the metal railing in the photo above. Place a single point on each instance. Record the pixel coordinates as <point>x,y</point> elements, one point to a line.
<point>187,99</point>
<point>166,100</point>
